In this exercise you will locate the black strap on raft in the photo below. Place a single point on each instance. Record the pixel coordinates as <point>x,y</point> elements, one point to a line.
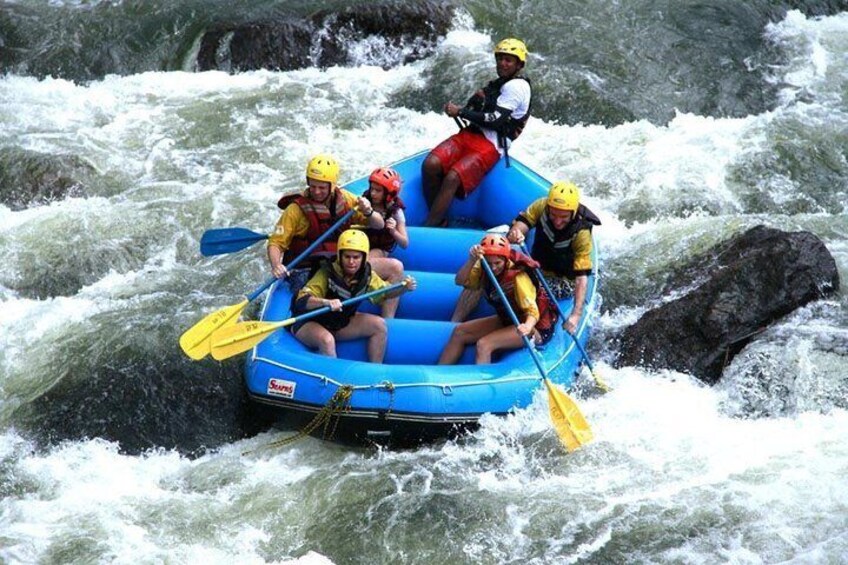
<point>502,141</point>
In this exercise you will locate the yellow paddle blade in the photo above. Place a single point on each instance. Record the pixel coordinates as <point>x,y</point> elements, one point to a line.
<point>570,425</point>
<point>243,336</point>
<point>196,341</point>
<point>599,382</point>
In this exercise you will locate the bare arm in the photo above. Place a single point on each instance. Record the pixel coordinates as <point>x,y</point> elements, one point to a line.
<point>398,231</point>
<point>526,327</point>
<point>517,232</point>
<point>375,221</point>
<point>474,254</point>
<point>581,283</point>
<point>275,258</point>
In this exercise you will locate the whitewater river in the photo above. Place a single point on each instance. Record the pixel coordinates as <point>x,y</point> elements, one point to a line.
<point>114,448</point>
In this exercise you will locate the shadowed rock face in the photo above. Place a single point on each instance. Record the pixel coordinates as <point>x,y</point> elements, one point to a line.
<point>28,178</point>
<point>325,39</point>
<point>751,281</point>
<point>141,402</point>
<point>810,7</point>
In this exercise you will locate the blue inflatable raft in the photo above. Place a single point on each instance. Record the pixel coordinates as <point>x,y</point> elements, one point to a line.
<point>409,398</point>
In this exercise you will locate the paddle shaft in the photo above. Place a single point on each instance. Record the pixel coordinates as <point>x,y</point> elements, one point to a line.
<point>246,335</point>
<point>533,353</point>
<point>294,263</point>
<point>359,298</point>
<point>547,288</point>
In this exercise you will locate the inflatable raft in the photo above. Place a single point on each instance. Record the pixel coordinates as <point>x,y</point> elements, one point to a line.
<point>408,398</point>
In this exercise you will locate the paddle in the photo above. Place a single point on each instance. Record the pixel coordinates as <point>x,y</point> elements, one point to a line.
<point>196,341</point>
<point>232,340</point>
<point>219,241</point>
<point>569,423</point>
<point>599,382</point>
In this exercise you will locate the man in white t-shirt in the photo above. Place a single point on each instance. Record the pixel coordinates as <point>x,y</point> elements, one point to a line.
<point>493,117</point>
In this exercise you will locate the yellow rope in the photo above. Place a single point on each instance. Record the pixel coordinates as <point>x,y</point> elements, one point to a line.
<point>339,403</point>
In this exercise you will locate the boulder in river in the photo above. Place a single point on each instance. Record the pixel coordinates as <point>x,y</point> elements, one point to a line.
<point>28,178</point>
<point>737,289</point>
<point>402,32</point>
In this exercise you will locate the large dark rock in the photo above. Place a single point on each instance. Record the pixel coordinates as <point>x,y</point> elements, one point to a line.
<point>809,7</point>
<point>28,178</point>
<point>134,387</point>
<point>404,32</point>
<point>751,280</point>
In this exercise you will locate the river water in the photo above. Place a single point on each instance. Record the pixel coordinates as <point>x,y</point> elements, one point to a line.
<point>681,125</point>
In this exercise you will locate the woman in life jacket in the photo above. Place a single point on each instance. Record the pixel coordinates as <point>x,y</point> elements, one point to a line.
<point>496,332</point>
<point>384,195</point>
<point>348,276</point>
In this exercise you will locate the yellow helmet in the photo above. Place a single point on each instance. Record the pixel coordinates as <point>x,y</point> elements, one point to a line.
<point>353,240</point>
<point>512,46</point>
<point>563,196</point>
<point>323,167</point>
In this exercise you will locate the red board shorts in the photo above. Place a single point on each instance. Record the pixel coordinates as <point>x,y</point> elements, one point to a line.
<point>470,155</point>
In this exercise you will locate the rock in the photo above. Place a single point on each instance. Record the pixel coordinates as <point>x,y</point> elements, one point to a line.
<point>751,281</point>
<point>403,32</point>
<point>141,400</point>
<point>28,178</point>
<point>810,8</point>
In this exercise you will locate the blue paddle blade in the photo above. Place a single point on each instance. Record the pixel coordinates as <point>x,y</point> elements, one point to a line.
<point>228,240</point>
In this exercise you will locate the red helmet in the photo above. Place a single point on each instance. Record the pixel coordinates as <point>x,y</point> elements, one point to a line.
<point>493,244</point>
<point>388,178</point>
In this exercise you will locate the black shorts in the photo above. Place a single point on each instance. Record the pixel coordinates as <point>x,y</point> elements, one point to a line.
<point>331,321</point>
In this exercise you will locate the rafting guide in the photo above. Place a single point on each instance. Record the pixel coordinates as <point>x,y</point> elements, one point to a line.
<point>489,122</point>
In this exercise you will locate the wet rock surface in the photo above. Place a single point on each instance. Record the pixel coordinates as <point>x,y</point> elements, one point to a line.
<point>737,289</point>
<point>28,178</point>
<point>400,32</point>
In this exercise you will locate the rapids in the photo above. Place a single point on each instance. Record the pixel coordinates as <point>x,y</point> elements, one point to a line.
<point>681,122</point>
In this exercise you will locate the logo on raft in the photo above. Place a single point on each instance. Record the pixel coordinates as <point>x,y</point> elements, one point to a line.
<point>278,387</point>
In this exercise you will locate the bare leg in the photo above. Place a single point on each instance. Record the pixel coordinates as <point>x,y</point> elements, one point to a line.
<point>464,334</point>
<point>431,178</point>
<point>390,270</point>
<point>443,200</point>
<point>467,301</point>
<point>370,326</point>
<point>316,336</point>
<point>504,338</point>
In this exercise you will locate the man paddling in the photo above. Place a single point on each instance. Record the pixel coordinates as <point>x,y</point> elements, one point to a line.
<point>562,244</point>
<point>309,214</point>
